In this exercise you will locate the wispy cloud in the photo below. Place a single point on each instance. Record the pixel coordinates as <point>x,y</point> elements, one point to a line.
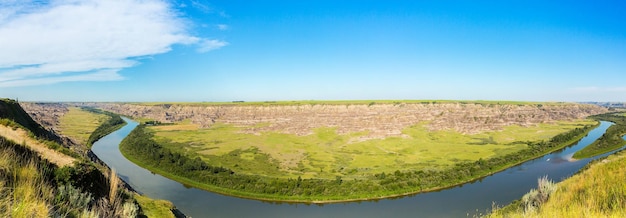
<point>222,27</point>
<point>85,40</point>
<point>211,44</point>
<point>102,75</point>
<point>201,6</point>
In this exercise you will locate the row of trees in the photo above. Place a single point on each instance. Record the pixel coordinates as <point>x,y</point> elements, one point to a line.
<point>610,140</point>
<point>139,144</point>
<point>114,122</point>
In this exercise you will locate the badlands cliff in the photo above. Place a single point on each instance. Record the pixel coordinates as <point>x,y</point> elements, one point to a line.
<point>378,120</point>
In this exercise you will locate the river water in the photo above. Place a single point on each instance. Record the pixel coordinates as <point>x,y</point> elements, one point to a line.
<point>460,201</point>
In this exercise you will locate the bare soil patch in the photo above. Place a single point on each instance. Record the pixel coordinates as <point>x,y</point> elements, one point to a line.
<point>20,136</point>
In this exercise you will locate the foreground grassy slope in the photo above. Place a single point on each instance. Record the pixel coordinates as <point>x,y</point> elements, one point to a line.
<point>24,191</point>
<point>598,191</point>
<point>33,187</point>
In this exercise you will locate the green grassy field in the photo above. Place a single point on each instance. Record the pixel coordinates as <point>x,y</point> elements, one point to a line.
<point>326,154</point>
<point>79,124</point>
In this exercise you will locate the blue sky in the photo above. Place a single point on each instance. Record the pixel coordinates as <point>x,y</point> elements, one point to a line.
<point>156,50</point>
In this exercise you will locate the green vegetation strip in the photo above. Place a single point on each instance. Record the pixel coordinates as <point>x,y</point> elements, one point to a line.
<point>610,140</point>
<point>115,122</point>
<point>140,147</point>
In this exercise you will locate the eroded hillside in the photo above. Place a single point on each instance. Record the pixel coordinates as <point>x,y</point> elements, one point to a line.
<point>379,120</point>
<point>46,114</point>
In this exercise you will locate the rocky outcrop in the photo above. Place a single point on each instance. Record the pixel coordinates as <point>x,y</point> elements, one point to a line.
<point>378,120</point>
<point>46,114</point>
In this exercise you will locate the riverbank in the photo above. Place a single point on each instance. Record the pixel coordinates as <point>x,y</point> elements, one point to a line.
<point>448,180</point>
<point>597,191</point>
<point>42,176</point>
<point>611,140</point>
<point>155,207</point>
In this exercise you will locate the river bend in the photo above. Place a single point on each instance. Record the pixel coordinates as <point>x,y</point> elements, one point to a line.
<point>459,201</point>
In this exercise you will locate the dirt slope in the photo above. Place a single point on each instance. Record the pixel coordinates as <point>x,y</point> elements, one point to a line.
<point>21,136</point>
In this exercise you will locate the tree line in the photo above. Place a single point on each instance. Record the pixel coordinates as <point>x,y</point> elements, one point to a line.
<point>114,122</point>
<point>610,140</point>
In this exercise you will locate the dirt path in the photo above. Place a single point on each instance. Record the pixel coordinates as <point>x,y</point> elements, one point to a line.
<point>19,135</point>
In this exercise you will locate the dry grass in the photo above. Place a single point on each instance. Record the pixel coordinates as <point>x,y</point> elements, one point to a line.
<point>113,186</point>
<point>182,126</point>
<point>23,191</point>
<point>79,124</point>
<point>114,205</point>
<point>20,135</point>
<point>26,192</point>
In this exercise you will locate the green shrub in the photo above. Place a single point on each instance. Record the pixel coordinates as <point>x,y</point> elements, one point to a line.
<point>536,197</point>
<point>71,201</point>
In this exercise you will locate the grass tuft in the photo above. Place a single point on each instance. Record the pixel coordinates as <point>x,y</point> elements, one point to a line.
<point>113,186</point>
<point>24,191</point>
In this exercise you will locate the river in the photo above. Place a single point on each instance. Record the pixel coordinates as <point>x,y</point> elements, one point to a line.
<point>460,201</point>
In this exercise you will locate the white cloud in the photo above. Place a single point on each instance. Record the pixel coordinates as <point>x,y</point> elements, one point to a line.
<point>211,44</point>
<point>103,75</point>
<point>85,40</point>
